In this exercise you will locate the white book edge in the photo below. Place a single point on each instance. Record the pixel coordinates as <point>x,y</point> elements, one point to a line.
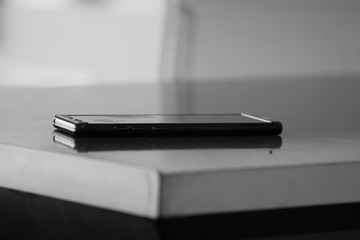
<point>113,186</point>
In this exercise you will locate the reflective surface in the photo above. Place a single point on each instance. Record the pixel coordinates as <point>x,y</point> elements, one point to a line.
<point>321,130</point>
<point>319,116</point>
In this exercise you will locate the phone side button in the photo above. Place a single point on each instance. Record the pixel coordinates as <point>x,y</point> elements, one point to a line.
<point>120,129</point>
<point>159,129</point>
<point>138,129</point>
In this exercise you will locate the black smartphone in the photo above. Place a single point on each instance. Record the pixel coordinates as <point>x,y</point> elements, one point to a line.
<point>166,125</point>
<point>96,144</point>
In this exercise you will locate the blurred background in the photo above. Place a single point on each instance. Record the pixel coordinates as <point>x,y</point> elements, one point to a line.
<point>60,42</point>
<point>182,43</point>
<point>275,38</point>
<point>76,42</point>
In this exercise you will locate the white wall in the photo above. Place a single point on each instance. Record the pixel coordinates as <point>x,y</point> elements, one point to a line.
<point>74,42</point>
<point>274,38</point>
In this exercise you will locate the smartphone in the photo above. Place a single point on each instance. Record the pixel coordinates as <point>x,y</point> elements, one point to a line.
<point>97,144</point>
<point>166,125</point>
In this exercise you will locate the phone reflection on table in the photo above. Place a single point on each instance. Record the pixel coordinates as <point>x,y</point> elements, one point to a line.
<point>89,144</point>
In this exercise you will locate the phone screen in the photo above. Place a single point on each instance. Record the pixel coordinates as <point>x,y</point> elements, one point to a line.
<point>141,119</point>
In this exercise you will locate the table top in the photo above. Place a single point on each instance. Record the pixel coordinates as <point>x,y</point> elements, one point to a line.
<point>321,130</point>
<point>320,116</point>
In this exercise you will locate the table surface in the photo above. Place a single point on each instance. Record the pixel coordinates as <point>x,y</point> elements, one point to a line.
<point>320,117</point>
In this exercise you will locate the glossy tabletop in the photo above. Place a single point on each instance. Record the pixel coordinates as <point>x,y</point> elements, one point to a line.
<point>321,140</point>
<point>320,118</point>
